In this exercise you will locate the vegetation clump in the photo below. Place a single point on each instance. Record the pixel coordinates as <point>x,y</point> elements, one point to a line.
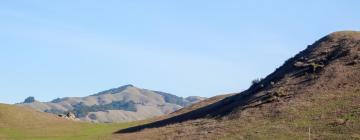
<point>315,66</point>
<point>81,110</point>
<point>256,81</point>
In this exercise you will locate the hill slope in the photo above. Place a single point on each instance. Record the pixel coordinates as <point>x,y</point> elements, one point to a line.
<point>317,90</point>
<point>23,123</point>
<point>122,104</point>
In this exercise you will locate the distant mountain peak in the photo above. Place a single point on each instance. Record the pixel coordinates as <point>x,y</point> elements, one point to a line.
<point>114,90</point>
<point>128,85</point>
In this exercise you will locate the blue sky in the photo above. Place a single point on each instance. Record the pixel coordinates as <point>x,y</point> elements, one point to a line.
<point>62,48</point>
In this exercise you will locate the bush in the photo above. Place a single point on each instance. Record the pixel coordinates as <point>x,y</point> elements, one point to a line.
<point>81,110</point>
<point>256,81</point>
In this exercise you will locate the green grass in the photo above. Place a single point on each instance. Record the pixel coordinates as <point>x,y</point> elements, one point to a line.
<point>20,123</point>
<point>81,131</point>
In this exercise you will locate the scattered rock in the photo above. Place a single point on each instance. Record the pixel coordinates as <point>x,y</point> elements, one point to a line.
<point>69,116</point>
<point>340,121</point>
<point>301,64</point>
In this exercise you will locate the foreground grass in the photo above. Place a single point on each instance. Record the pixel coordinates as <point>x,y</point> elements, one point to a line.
<point>20,123</point>
<point>80,131</point>
<point>319,112</point>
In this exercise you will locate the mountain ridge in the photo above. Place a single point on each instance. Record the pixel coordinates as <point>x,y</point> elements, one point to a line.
<point>125,103</point>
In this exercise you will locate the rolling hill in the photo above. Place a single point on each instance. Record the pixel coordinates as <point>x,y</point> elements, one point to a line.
<point>314,95</point>
<point>122,104</point>
<point>23,123</point>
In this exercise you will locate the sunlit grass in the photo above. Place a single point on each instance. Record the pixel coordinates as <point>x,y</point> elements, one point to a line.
<point>77,131</point>
<point>18,123</point>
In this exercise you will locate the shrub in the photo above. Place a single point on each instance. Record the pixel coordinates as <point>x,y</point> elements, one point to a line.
<point>256,81</point>
<point>81,110</point>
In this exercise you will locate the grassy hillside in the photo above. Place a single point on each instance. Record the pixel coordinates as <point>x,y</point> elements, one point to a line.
<point>314,95</point>
<point>333,116</point>
<point>22,123</point>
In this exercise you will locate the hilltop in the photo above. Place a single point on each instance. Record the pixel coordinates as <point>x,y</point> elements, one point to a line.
<point>122,104</point>
<point>316,93</point>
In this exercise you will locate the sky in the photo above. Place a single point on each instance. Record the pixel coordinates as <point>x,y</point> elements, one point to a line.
<point>74,48</point>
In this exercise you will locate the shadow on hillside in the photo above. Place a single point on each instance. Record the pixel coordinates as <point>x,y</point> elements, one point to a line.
<point>199,113</point>
<point>218,109</point>
<point>225,106</point>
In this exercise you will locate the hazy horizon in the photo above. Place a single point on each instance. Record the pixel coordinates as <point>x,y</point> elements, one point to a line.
<point>187,48</point>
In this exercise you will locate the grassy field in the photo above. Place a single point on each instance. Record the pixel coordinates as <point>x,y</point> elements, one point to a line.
<point>76,132</point>
<point>20,123</point>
